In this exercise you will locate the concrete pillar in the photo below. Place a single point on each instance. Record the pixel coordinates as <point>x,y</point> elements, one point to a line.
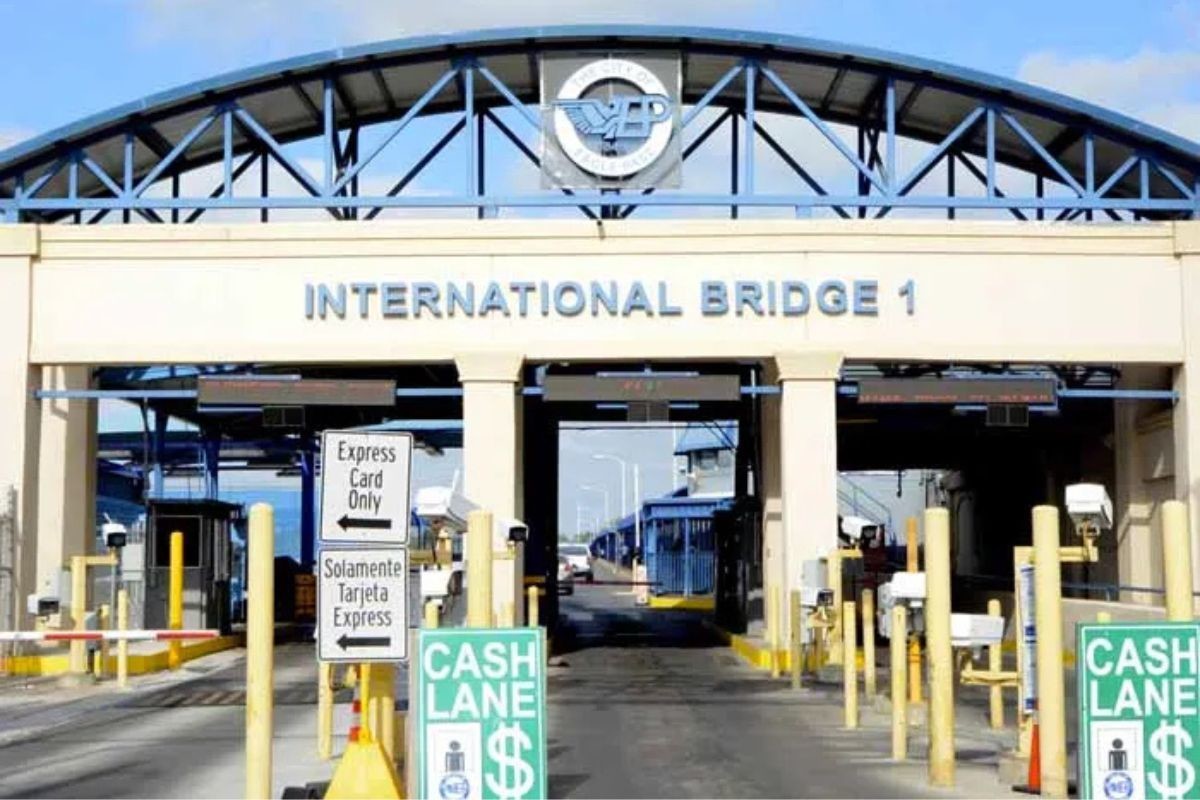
<point>1186,416</point>
<point>771,492</point>
<point>20,421</point>
<point>808,456</point>
<point>66,506</point>
<point>491,426</point>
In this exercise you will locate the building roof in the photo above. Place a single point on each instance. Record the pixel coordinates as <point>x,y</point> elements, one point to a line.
<point>376,82</point>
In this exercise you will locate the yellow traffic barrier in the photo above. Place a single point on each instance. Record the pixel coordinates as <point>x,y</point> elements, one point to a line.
<point>531,613</point>
<point>795,639</point>
<point>260,652</point>
<point>913,564</point>
<point>937,641</point>
<point>77,660</point>
<point>432,614</point>
<point>849,666</point>
<point>1177,561</point>
<point>175,600</point>
<point>899,678</point>
<point>1051,707</point>
<point>868,626</point>
<point>479,569</point>
<point>102,656</point>
<point>324,710</point>
<point>122,645</point>
<point>996,692</point>
<point>365,772</point>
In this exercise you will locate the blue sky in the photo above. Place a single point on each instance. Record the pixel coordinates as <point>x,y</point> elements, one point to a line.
<point>69,58</point>
<point>66,59</point>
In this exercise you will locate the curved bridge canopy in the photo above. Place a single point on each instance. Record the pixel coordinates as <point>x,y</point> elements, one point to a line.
<point>836,130</point>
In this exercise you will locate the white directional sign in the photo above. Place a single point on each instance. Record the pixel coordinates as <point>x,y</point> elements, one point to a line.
<point>365,487</point>
<point>362,604</point>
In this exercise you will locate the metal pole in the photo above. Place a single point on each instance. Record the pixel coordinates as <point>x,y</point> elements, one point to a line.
<point>479,569</point>
<point>637,510</point>
<point>102,656</point>
<point>849,672</point>
<point>899,679</point>
<point>868,626</point>
<point>1177,561</point>
<point>773,638</point>
<point>122,645</point>
<point>937,639</point>
<point>796,643</point>
<point>913,558</point>
<point>531,615</point>
<point>78,657</point>
<point>996,692</point>
<point>175,600</point>
<point>834,570</point>
<point>324,710</point>
<point>260,654</point>
<point>1051,708</point>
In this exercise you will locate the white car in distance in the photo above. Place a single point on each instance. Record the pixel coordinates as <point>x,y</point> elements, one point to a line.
<point>580,559</point>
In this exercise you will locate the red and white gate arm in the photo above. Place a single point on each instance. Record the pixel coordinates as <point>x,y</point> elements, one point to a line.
<point>106,636</point>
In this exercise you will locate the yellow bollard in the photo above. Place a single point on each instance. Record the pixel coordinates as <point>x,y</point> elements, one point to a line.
<point>123,644</point>
<point>833,568</point>
<point>1051,708</point>
<point>868,626</point>
<point>773,633</point>
<point>78,656</point>
<point>324,710</point>
<point>383,700</point>
<point>849,671</point>
<point>366,689</point>
<point>937,641</point>
<point>1103,617</point>
<point>102,654</point>
<point>913,564</point>
<point>479,569</point>
<point>795,640</point>
<point>432,614</point>
<point>175,600</point>
<point>899,700</point>
<point>531,613</point>
<point>996,693</point>
<point>260,652</point>
<point>1177,561</point>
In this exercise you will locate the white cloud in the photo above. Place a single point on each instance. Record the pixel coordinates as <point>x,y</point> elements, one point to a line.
<point>1152,85</point>
<point>11,136</point>
<point>279,25</point>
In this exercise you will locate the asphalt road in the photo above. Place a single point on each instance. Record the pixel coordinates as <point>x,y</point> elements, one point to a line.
<point>642,703</point>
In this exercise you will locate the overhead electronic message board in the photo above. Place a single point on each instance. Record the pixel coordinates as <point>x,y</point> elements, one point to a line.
<point>1139,710</point>
<point>636,388</point>
<point>957,391</point>
<point>288,391</point>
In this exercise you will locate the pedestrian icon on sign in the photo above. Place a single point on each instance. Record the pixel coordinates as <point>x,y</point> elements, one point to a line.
<point>456,760</point>
<point>1117,757</point>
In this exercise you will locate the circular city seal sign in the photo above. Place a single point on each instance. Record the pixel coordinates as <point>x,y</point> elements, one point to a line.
<point>619,135</point>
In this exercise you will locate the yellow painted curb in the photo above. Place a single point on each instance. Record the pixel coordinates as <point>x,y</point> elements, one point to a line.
<point>139,664</point>
<point>705,603</point>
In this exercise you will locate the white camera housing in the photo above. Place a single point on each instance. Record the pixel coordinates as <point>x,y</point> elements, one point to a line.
<point>441,506</point>
<point>1089,503</point>
<point>438,582</point>
<point>908,587</point>
<point>975,630</point>
<point>815,597</point>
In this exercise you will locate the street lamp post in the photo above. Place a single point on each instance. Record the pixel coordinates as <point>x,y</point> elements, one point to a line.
<point>623,465</point>
<point>604,492</point>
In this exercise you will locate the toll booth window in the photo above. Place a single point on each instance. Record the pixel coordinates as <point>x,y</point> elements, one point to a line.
<point>190,527</point>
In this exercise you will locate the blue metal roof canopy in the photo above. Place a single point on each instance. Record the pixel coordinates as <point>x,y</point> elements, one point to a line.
<point>1085,160</point>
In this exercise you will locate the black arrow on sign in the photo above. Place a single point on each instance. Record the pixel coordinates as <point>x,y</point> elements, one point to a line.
<point>348,521</point>
<point>364,641</point>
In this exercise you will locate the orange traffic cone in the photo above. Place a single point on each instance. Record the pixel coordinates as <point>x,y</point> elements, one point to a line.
<point>1033,781</point>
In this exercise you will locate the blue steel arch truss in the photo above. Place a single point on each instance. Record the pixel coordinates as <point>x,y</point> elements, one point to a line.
<point>985,144</point>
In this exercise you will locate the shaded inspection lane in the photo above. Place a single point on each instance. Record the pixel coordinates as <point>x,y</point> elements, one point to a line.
<point>649,703</point>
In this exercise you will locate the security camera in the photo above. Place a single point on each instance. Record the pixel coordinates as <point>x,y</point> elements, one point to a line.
<point>518,532</point>
<point>813,597</point>
<point>442,507</point>
<point>115,534</point>
<point>42,605</point>
<point>1089,504</point>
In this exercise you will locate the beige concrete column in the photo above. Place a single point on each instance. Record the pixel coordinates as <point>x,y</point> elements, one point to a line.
<point>773,557</point>
<point>808,455</point>
<point>1186,417</point>
<point>491,447</point>
<point>19,417</point>
<point>66,504</point>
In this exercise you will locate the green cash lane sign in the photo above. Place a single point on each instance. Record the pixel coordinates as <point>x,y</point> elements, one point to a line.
<point>481,713</point>
<point>1139,710</point>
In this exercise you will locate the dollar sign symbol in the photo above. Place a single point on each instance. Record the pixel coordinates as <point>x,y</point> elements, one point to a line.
<point>1175,776</point>
<point>505,746</point>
